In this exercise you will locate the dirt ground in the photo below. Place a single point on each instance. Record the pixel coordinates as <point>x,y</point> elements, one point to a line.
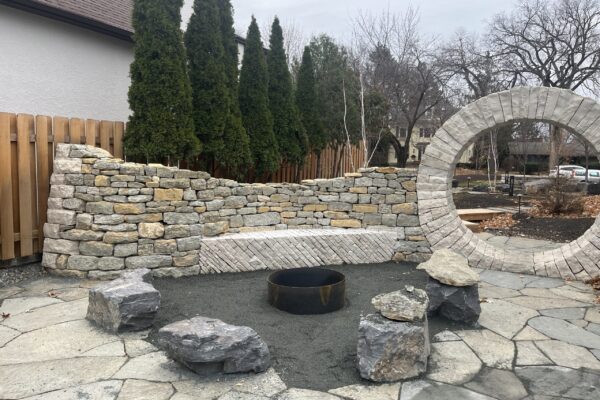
<point>554,229</point>
<point>316,352</point>
<point>485,200</point>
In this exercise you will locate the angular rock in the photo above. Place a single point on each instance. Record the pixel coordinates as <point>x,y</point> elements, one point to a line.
<point>123,305</point>
<point>208,345</point>
<point>409,304</point>
<point>390,351</point>
<point>459,304</point>
<point>450,268</point>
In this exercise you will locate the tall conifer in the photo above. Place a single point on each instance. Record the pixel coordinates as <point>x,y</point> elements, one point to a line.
<point>236,155</point>
<point>210,89</point>
<point>289,132</point>
<point>306,101</point>
<point>161,127</point>
<point>254,104</point>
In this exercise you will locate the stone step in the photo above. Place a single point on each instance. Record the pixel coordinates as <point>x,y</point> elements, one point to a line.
<point>478,214</point>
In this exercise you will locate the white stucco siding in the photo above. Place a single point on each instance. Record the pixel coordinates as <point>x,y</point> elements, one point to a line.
<point>52,68</point>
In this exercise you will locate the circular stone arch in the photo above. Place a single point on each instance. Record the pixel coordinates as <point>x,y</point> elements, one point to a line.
<point>439,220</point>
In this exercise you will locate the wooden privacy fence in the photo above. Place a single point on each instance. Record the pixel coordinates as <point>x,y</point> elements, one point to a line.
<point>27,146</point>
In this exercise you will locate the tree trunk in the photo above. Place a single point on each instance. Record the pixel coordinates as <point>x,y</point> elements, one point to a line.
<point>397,149</point>
<point>318,174</point>
<point>555,142</point>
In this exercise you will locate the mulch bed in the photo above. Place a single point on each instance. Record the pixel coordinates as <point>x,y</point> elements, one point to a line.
<point>485,200</point>
<point>553,229</point>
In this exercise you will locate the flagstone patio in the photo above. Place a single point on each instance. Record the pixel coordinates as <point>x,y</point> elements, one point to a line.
<point>539,339</point>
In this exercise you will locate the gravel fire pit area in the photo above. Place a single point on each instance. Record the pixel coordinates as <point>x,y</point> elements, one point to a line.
<point>536,338</point>
<point>308,351</point>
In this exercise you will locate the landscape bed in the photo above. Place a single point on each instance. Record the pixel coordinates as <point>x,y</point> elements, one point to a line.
<point>308,351</point>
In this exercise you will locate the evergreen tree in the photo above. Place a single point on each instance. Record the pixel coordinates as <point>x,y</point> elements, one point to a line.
<point>208,78</point>
<point>161,127</point>
<point>306,101</point>
<point>254,104</point>
<point>236,155</point>
<point>289,132</point>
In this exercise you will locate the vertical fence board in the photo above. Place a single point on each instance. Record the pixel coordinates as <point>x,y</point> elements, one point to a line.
<point>43,131</point>
<point>118,139</point>
<point>76,130</point>
<point>106,131</point>
<point>24,129</point>
<point>61,129</point>
<point>6,195</point>
<point>91,131</point>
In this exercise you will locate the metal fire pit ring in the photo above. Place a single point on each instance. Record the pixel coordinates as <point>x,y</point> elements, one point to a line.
<point>306,291</point>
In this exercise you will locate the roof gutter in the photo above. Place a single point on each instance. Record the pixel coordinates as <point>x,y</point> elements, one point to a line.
<point>70,18</point>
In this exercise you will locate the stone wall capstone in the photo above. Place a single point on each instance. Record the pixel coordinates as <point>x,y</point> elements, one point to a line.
<point>106,215</point>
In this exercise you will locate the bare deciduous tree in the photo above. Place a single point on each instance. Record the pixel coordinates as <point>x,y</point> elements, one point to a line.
<point>551,43</point>
<point>402,65</point>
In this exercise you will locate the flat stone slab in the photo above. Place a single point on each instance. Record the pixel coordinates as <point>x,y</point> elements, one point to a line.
<point>305,394</point>
<point>16,380</point>
<point>499,384</point>
<point>570,383</point>
<point>425,390</point>
<point>384,391</point>
<point>450,269</point>
<point>453,363</point>
<point>409,304</point>
<point>564,331</point>
<point>529,354</point>
<point>104,390</point>
<point>494,350</point>
<point>204,343</point>
<point>568,355</point>
<point>389,351</point>
<point>505,318</point>
<point>67,340</point>
<point>135,389</point>
<point>507,280</point>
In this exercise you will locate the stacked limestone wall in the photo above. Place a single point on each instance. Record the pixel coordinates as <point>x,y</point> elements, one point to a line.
<point>106,215</point>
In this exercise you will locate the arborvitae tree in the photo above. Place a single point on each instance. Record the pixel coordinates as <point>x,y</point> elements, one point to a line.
<point>306,101</point>
<point>254,104</point>
<point>236,155</point>
<point>289,132</point>
<point>210,91</point>
<point>161,127</point>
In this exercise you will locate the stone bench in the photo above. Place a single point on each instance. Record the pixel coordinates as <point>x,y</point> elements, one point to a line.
<point>295,248</point>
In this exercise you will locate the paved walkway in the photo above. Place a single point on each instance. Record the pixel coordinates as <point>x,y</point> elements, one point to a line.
<point>519,243</point>
<point>538,337</point>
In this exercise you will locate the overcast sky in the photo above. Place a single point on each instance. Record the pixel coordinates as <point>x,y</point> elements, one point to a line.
<point>439,17</point>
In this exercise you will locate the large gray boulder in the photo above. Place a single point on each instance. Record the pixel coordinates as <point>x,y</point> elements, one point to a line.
<point>460,304</point>
<point>409,304</point>
<point>210,345</point>
<point>125,304</point>
<point>390,351</point>
<point>450,268</point>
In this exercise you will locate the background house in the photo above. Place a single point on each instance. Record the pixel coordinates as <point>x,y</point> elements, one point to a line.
<point>66,57</point>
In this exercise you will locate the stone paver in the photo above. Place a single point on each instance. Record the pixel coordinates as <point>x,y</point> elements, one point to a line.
<point>48,351</point>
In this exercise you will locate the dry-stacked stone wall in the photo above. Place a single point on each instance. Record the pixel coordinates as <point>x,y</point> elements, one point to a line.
<point>106,215</point>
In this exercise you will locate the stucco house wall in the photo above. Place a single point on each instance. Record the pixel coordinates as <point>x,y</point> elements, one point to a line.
<point>53,68</point>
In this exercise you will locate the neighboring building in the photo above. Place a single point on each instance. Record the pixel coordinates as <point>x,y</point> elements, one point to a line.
<point>421,137</point>
<point>66,57</point>
<point>539,152</point>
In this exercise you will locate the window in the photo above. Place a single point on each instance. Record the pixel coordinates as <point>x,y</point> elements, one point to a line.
<point>402,132</point>
<point>426,132</point>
